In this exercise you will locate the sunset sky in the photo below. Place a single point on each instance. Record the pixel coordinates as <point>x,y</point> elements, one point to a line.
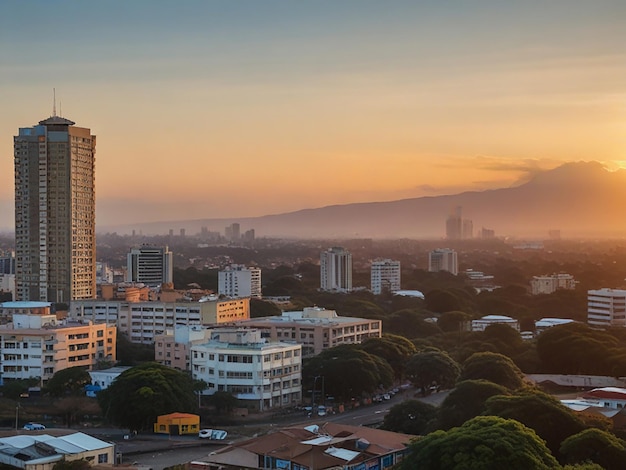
<point>242,108</point>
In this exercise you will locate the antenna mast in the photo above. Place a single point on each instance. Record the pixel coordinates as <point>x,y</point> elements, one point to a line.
<point>54,102</point>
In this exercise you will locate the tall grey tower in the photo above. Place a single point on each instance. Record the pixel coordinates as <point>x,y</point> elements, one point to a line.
<point>336,270</point>
<point>55,212</point>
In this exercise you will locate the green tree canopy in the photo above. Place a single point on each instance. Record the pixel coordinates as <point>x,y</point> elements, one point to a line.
<point>467,401</point>
<point>396,350</point>
<point>552,421</point>
<point>142,393</point>
<point>348,372</point>
<point>597,446</point>
<point>70,381</point>
<point>575,348</point>
<point>493,367</point>
<point>410,417</point>
<point>432,367</point>
<point>482,443</point>
<point>453,321</point>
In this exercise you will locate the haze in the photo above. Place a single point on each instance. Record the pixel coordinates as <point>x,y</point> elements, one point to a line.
<point>233,109</point>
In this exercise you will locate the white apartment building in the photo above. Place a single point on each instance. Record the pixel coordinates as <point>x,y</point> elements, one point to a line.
<point>150,265</point>
<point>385,276</point>
<point>238,281</point>
<point>39,345</point>
<point>315,328</point>
<point>336,270</point>
<point>143,321</point>
<point>548,284</point>
<point>261,375</point>
<point>443,259</point>
<point>606,307</point>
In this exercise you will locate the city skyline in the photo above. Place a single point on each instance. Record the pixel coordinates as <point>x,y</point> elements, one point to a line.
<point>312,104</point>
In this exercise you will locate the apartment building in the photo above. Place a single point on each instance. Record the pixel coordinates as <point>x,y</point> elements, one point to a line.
<point>548,284</point>
<point>606,307</point>
<point>443,259</point>
<point>315,328</point>
<point>150,265</point>
<point>238,281</point>
<point>385,276</point>
<point>143,321</point>
<point>261,375</point>
<point>336,270</point>
<point>40,345</point>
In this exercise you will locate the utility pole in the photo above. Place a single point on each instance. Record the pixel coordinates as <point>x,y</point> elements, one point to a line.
<point>17,415</point>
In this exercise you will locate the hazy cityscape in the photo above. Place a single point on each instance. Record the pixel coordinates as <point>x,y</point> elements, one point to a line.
<point>312,236</point>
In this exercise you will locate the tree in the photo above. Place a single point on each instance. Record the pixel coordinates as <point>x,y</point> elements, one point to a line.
<point>482,443</point>
<point>223,401</point>
<point>552,421</point>
<point>493,367</point>
<point>432,367</point>
<point>348,372</point>
<point>597,446</point>
<point>410,417</point>
<point>467,401</point>
<point>142,393</point>
<point>396,350</point>
<point>70,381</point>
<point>14,388</point>
<point>453,321</point>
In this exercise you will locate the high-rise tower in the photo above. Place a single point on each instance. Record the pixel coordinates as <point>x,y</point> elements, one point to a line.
<point>55,212</point>
<point>336,270</point>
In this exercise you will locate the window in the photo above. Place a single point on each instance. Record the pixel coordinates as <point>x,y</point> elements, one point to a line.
<point>103,458</point>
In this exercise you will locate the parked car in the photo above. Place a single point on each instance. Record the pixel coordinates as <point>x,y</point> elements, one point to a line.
<point>321,410</point>
<point>213,434</point>
<point>34,427</point>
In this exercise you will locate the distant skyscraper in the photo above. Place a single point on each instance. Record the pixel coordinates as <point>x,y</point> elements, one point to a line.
<point>239,281</point>
<point>336,270</point>
<point>150,265</point>
<point>454,224</point>
<point>487,233</point>
<point>385,276</point>
<point>55,212</point>
<point>443,260</point>
<point>458,228</point>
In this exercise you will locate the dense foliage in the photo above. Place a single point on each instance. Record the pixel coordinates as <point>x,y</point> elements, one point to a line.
<point>140,394</point>
<point>484,442</point>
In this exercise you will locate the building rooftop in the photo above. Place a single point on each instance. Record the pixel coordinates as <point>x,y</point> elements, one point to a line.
<point>25,304</point>
<point>56,120</point>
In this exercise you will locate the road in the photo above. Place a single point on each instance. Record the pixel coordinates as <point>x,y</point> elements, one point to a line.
<point>362,416</point>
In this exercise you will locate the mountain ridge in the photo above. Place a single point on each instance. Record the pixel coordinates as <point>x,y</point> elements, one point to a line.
<point>581,199</point>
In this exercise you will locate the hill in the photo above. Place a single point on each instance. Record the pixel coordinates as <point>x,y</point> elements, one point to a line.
<point>582,199</point>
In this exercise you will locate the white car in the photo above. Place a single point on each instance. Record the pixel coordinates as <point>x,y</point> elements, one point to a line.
<point>34,427</point>
<point>213,434</point>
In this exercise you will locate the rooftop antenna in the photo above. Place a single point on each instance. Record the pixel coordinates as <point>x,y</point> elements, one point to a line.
<point>54,102</point>
<point>61,108</point>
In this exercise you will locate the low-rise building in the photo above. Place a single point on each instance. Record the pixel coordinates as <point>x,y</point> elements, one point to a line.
<point>40,345</point>
<point>484,322</point>
<point>315,328</point>
<point>42,452</point>
<point>549,284</point>
<point>545,323</point>
<point>260,374</point>
<point>142,322</point>
<point>330,446</point>
<point>178,424</point>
